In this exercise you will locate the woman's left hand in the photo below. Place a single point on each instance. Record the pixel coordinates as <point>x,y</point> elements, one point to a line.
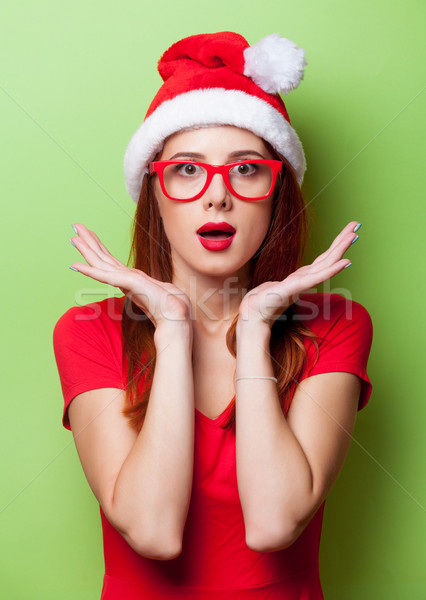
<point>269,300</point>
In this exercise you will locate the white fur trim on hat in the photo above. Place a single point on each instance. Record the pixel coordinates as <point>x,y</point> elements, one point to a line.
<point>201,108</point>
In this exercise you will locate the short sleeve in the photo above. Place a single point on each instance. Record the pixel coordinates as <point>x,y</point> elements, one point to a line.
<point>88,350</point>
<point>344,335</point>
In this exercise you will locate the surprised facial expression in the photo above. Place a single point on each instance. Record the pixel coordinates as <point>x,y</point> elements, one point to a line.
<point>217,234</point>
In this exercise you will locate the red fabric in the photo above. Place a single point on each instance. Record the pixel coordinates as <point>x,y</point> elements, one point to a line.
<point>215,561</point>
<point>88,349</point>
<point>211,50</point>
<point>344,334</point>
<point>206,61</point>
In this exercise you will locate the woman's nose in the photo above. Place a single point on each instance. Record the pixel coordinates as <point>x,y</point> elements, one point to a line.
<point>217,194</point>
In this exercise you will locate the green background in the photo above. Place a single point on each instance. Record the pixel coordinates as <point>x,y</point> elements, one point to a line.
<point>76,79</point>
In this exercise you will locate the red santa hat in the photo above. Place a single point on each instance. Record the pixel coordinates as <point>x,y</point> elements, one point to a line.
<point>218,79</point>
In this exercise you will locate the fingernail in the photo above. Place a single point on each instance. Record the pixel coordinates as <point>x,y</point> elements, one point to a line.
<point>348,265</point>
<point>355,239</point>
<point>357,227</point>
<point>75,229</point>
<point>72,269</point>
<point>73,244</point>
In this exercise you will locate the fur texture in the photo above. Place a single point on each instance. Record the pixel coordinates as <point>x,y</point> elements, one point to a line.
<point>275,64</point>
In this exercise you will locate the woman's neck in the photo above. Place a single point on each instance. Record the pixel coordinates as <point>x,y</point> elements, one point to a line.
<point>214,300</point>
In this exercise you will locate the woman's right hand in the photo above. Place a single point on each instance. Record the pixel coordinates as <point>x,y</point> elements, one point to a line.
<point>162,302</point>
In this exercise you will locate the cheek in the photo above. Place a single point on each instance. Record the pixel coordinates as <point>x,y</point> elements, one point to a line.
<point>257,227</point>
<point>265,222</point>
<point>168,211</point>
<point>170,222</point>
<point>177,222</point>
<point>174,214</point>
<point>261,221</point>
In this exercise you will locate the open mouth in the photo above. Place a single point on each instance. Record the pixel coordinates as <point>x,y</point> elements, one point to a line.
<point>215,234</point>
<point>216,231</point>
<point>216,237</point>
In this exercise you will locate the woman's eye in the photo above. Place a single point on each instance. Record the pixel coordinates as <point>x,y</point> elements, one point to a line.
<point>188,169</point>
<point>244,169</point>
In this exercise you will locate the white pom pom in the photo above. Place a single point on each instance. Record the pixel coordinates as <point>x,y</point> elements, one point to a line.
<point>275,64</point>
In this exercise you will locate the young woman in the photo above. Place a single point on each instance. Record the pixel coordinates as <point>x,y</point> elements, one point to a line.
<point>213,404</point>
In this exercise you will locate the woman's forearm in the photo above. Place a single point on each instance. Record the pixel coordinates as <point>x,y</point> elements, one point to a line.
<point>153,489</point>
<point>274,476</point>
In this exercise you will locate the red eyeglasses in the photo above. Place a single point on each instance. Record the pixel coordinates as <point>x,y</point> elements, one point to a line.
<point>186,180</point>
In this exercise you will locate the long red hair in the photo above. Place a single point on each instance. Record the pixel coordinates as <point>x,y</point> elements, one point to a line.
<point>280,254</point>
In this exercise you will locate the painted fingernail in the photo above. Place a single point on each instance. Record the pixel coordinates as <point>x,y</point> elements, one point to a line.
<point>75,229</point>
<point>73,244</point>
<point>348,265</point>
<point>357,227</point>
<point>72,269</point>
<point>355,239</point>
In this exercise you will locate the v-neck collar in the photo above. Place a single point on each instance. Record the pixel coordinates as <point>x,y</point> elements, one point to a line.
<point>217,420</point>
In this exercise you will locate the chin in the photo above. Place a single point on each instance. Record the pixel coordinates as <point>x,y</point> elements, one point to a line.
<point>232,262</point>
<point>222,267</point>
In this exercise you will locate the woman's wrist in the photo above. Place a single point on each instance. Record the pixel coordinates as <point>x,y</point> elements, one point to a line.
<point>169,331</point>
<point>254,329</point>
<point>253,352</point>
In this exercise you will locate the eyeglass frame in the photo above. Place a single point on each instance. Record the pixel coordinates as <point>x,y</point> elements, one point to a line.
<point>158,167</point>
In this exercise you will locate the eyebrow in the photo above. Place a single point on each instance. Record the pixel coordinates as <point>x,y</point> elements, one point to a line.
<point>198,156</point>
<point>194,155</point>
<point>242,153</point>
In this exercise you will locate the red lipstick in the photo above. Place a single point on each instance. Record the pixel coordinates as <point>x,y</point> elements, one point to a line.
<point>216,236</point>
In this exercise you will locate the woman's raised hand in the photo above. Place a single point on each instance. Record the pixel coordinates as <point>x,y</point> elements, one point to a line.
<point>269,300</point>
<point>161,302</point>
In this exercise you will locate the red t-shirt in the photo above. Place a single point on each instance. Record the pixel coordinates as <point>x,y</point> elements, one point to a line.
<point>215,561</point>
